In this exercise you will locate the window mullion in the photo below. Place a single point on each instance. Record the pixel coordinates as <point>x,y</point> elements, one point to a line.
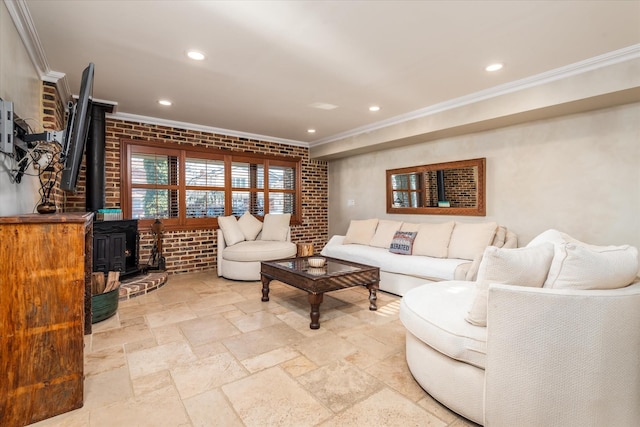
<point>212,175</point>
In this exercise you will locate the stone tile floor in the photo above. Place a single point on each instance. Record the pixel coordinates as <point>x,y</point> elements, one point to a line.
<point>205,351</point>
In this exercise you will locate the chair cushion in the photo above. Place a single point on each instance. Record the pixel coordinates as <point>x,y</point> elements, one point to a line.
<point>435,314</point>
<point>581,266</point>
<point>275,227</point>
<point>250,226</point>
<point>259,250</point>
<point>230,230</point>
<point>522,267</point>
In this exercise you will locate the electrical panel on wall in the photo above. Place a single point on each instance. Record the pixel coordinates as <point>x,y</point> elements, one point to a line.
<point>6,127</point>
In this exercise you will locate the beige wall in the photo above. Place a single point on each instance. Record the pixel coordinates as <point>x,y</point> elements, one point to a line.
<point>19,83</point>
<point>578,173</point>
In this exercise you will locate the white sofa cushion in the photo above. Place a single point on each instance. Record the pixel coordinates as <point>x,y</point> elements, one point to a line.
<point>435,313</point>
<point>361,231</point>
<point>433,239</point>
<point>409,226</point>
<point>250,226</point>
<point>259,250</point>
<point>384,233</point>
<point>522,267</point>
<point>469,240</point>
<point>230,230</point>
<point>275,227</point>
<point>581,266</point>
<point>551,236</point>
<point>413,265</point>
<point>578,265</point>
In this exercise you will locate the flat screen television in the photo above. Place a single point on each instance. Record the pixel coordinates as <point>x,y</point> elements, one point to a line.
<point>76,132</point>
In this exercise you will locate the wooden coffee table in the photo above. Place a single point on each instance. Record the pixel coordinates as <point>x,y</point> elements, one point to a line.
<point>334,275</point>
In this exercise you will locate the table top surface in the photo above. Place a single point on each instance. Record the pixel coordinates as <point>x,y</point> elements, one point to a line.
<point>332,268</point>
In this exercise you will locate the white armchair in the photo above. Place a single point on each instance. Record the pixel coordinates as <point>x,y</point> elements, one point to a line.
<point>547,357</point>
<point>244,243</point>
<point>562,357</point>
<point>242,260</point>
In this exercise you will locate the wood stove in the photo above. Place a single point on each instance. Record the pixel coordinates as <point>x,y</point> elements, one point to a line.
<point>116,246</point>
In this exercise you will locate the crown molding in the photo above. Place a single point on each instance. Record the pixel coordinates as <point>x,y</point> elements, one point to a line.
<point>23,22</point>
<point>610,58</point>
<point>192,126</point>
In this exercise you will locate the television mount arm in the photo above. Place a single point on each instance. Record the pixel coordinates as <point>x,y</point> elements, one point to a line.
<point>25,142</point>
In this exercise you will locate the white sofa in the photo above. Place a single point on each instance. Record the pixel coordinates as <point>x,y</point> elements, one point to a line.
<point>441,251</point>
<point>557,353</point>
<point>244,243</point>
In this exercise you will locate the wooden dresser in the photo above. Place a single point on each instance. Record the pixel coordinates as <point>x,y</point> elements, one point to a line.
<point>45,310</point>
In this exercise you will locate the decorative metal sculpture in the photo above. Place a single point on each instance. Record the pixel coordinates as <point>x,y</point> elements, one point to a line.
<point>157,261</point>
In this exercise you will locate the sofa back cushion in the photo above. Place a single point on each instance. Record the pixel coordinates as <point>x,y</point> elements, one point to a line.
<point>384,233</point>
<point>250,226</point>
<point>409,226</point>
<point>522,267</point>
<point>469,240</point>
<point>275,227</point>
<point>361,231</point>
<point>433,239</point>
<point>230,230</point>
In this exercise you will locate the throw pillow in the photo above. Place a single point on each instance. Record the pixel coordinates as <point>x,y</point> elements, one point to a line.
<point>275,227</point>
<point>433,239</point>
<point>384,233</point>
<point>402,242</point>
<point>230,230</point>
<point>361,231</point>
<point>582,266</point>
<point>469,240</point>
<point>522,267</point>
<point>552,236</point>
<point>250,226</point>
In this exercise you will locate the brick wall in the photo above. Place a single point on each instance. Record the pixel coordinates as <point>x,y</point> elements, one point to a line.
<point>461,189</point>
<point>460,185</point>
<point>195,250</point>
<point>53,118</point>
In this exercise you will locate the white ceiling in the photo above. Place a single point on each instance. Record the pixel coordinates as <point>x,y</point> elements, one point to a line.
<point>268,61</point>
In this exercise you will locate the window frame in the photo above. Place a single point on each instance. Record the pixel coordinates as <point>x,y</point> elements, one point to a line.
<point>184,151</point>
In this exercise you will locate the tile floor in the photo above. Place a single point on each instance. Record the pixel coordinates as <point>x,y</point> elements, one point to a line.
<point>205,351</point>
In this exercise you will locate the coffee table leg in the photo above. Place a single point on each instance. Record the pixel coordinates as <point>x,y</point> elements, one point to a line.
<point>265,288</point>
<point>315,300</point>
<point>373,296</point>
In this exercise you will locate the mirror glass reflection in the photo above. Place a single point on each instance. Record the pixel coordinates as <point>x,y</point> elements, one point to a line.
<point>452,188</point>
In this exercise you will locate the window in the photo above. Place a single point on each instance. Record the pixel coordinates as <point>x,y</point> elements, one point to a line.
<point>188,186</point>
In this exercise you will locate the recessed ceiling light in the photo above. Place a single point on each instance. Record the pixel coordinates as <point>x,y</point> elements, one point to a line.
<point>374,108</point>
<point>165,102</point>
<point>494,67</point>
<point>194,54</point>
<point>323,106</point>
<point>311,131</point>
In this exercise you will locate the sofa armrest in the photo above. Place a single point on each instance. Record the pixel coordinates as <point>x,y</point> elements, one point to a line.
<point>221,246</point>
<point>562,357</point>
<point>334,241</point>
<point>511,240</point>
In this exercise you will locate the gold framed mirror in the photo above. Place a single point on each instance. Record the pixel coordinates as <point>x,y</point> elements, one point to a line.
<point>451,188</point>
